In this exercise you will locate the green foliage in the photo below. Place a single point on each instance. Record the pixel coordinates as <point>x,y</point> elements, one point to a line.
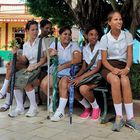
<point>56,10</point>
<point>13,43</point>
<point>135,80</point>
<point>86,12</point>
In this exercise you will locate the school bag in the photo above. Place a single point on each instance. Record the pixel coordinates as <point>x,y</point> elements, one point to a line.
<point>23,77</point>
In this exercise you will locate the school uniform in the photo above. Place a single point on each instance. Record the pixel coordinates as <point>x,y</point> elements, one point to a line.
<point>31,52</point>
<point>116,49</point>
<point>88,54</point>
<point>65,55</point>
<point>87,57</point>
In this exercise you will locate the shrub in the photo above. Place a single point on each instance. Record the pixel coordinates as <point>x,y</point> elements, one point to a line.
<point>135,80</point>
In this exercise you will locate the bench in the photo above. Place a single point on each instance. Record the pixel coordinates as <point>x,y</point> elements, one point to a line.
<point>105,91</point>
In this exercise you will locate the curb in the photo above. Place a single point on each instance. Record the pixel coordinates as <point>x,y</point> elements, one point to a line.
<point>136,101</point>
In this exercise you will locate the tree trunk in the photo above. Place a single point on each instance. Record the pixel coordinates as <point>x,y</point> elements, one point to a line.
<point>94,12</point>
<point>136,16</point>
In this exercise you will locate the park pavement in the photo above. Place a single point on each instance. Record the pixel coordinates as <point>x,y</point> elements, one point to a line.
<point>39,128</point>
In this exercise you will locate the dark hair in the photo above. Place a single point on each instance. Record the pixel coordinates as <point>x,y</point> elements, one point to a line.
<point>90,28</point>
<point>64,28</point>
<point>94,27</point>
<point>44,22</point>
<point>29,23</point>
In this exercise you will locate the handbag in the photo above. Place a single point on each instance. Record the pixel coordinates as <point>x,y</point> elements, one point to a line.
<point>23,77</point>
<point>93,79</point>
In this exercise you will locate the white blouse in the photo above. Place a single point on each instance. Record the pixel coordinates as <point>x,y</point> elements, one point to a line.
<point>116,49</point>
<point>31,52</point>
<point>65,55</point>
<point>88,55</point>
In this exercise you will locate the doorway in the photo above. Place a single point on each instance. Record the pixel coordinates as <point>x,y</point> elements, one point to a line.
<point>19,35</point>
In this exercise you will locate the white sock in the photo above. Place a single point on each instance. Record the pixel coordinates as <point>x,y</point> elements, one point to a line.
<point>129,110</point>
<point>50,105</point>
<point>7,101</point>
<point>50,97</point>
<point>85,103</point>
<point>118,109</point>
<point>4,87</point>
<point>19,99</point>
<point>62,104</point>
<point>94,104</point>
<point>32,98</point>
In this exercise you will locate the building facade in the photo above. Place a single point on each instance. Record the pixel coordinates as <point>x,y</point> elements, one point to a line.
<point>13,18</point>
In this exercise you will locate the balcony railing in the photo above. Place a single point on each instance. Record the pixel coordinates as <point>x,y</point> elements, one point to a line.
<point>13,9</point>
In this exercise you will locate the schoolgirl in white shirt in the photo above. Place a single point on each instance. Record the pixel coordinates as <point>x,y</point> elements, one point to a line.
<point>68,53</point>
<point>116,49</point>
<point>30,51</point>
<point>86,96</point>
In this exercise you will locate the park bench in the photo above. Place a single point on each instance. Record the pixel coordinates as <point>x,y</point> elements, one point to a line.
<point>104,107</point>
<point>103,96</point>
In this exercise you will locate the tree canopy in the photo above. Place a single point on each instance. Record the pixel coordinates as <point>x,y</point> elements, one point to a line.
<point>96,11</point>
<point>87,12</point>
<point>58,11</point>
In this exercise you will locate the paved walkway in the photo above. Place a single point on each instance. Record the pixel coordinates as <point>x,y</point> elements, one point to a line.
<point>39,128</point>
